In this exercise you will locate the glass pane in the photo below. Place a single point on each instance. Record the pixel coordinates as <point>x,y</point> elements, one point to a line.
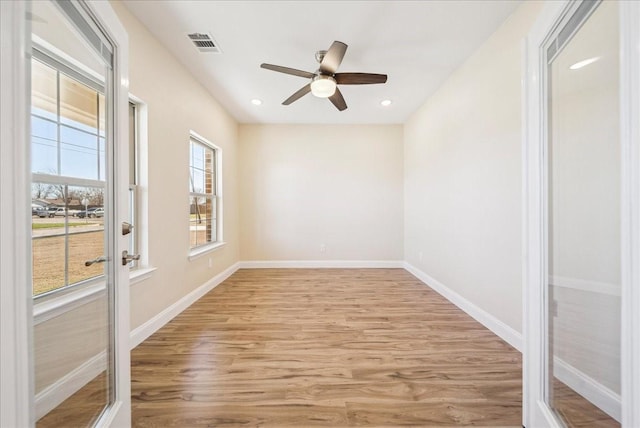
<point>584,223</point>
<point>133,174</point>
<point>197,181</point>
<point>44,145</point>
<point>78,153</point>
<point>211,220</point>
<point>197,156</point>
<point>67,230</point>
<point>102,165</point>
<point>132,219</point>
<point>200,221</point>
<point>78,104</point>
<point>44,90</point>
<point>69,227</point>
<point>48,259</point>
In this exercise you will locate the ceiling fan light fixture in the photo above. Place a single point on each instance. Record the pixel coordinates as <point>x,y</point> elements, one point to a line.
<point>323,86</point>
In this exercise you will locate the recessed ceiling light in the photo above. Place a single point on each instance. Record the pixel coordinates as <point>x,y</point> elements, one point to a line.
<point>256,102</point>
<point>584,63</point>
<point>385,103</point>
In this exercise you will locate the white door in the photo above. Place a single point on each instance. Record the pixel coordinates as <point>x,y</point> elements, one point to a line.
<point>72,162</point>
<point>581,216</point>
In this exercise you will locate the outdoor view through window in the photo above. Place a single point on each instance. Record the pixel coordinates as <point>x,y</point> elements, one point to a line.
<point>68,175</point>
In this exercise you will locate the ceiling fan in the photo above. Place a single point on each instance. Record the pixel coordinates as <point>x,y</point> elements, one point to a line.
<point>324,81</point>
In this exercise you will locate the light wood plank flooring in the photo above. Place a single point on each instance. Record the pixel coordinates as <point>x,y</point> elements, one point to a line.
<point>325,347</point>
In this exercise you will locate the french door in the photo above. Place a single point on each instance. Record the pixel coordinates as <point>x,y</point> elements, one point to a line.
<point>70,160</point>
<point>582,217</point>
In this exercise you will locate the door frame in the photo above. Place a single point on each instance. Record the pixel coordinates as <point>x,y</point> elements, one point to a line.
<point>16,364</point>
<point>536,412</point>
<point>16,302</point>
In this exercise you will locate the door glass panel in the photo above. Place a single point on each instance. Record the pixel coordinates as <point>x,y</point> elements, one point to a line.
<point>71,133</point>
<point>584,222</point>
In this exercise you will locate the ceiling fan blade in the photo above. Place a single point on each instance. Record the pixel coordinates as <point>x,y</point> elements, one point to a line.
<point>333,57</point>
<point>338,100</point>
<point>288,70</point>
<point>299,94</point>
<point>359,78</point>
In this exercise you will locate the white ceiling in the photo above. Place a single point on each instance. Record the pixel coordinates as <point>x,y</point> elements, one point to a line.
<point>418,44</point>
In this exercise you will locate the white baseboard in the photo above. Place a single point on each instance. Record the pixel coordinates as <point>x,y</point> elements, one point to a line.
<point>585,285</point>
<point>139,334</point>
<point>349,264</point>
<point>506,333</point>
<point>598,394</point>
<point>53,395</point>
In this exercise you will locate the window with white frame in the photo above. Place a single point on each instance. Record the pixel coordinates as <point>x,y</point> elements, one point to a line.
<point>204,194</point>
<point>133,217</point>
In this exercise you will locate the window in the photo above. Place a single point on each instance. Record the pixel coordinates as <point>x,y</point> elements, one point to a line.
<point>133,219</point>
<point>138,185</point>
<point>68,174</point>
<point>204,193</point>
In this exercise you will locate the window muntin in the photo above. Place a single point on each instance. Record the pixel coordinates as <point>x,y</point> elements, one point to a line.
<point>203,193</point>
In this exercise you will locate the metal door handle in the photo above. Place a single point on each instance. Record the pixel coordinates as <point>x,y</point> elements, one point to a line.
<point>100,259</point>
<point>127,228</point>
<point>126,257</point>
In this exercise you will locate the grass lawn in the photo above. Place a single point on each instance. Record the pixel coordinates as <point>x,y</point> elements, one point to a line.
<point>53,225</point>
<point>49,259</point>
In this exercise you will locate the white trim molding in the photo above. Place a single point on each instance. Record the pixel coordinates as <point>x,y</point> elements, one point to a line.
<point>506,333</point>
<point>16,364</point>
<point>585,285</point>
<point>630,209</point>
<point>535,358</point>
<point>53,395</point>
<point>142,332</point>
<point>326,264</point>
<point>589,388</point>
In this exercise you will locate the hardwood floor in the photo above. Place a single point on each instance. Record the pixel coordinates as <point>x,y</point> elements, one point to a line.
<point>325,347</point>
<point>82,409</point>
<point>577,412</point>
<point>304,348</point>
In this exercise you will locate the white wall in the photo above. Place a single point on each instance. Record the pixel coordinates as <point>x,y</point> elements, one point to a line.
<point>176,105</point>
<point>463,176</point>
<point>303,186</point>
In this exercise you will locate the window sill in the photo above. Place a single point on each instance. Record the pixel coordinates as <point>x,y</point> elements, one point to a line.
<point>201,251</point>
<point>139,275</point>
<point>58,305</point>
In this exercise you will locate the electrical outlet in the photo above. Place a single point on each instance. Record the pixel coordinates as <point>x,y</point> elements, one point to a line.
<point>323,248</point>
<point>210,262</point>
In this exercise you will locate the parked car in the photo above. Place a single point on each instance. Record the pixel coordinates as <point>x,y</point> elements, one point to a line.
<point>91,212</point>
<point>58,212</point>
<point>39,211</point>
<point>97,212</point>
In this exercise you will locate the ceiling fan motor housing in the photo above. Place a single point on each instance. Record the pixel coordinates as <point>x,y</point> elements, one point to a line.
<point>320,55</point>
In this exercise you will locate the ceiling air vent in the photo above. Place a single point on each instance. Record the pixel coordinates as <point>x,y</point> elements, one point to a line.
<point>204,42</point>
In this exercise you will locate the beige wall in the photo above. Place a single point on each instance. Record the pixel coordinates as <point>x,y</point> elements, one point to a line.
<point>463,176</point>
<point>304,186</point>
<point>176,105</point>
